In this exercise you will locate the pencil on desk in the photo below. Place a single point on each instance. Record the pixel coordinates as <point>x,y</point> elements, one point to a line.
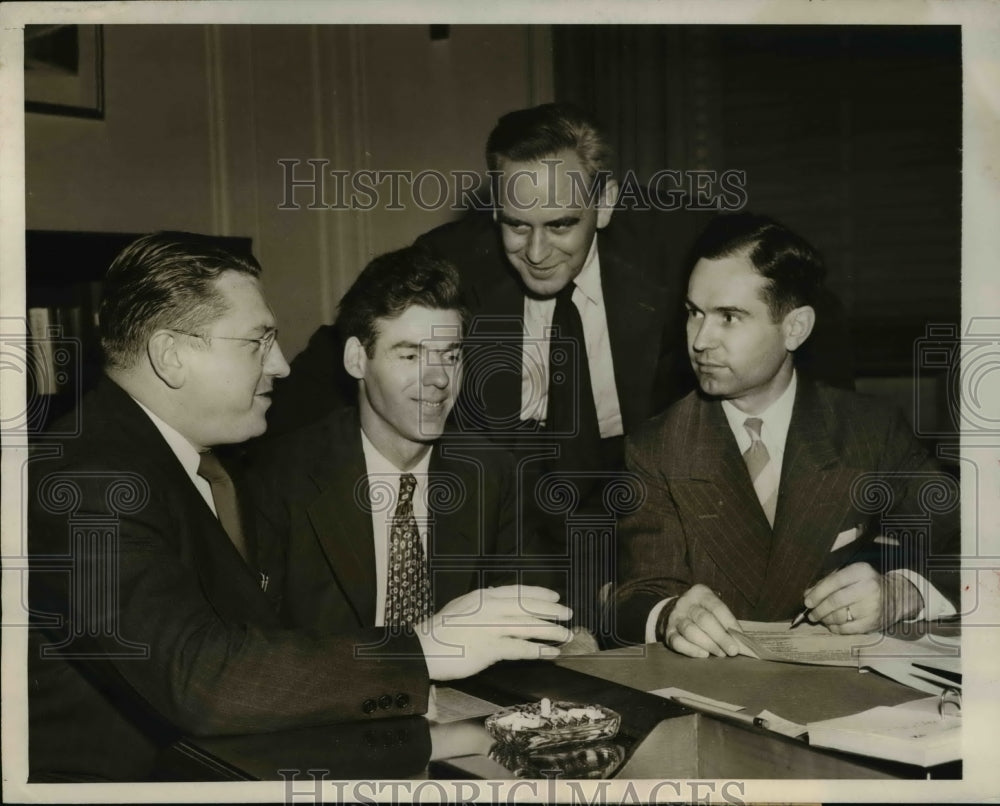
<point>698,705</point>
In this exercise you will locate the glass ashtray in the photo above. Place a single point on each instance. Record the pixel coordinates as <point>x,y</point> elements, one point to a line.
<point>586,761</point>
<point>550,723</point>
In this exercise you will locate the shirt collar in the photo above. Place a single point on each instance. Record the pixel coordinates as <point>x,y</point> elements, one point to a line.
<point>776,417</point>
<point>589,278</point>
<point>185,452</point>
<point>377,464</point>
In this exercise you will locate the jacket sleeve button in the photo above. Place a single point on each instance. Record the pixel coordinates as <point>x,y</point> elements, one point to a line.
<point>369,705</point>
<point>402,700</point>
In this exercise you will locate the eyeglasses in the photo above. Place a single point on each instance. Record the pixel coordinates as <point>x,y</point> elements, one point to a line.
<point>264,343</point>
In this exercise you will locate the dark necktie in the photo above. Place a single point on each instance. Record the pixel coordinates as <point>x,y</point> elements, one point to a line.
<point>765,480</point>
<point>571,411</point>
<point>224,494</point>
<point>408,589</point>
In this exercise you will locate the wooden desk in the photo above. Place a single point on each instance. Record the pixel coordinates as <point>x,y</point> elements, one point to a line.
<point>796,692</point>
<point>662,739</point>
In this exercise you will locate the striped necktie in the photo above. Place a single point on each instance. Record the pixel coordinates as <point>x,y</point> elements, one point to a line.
<point>762,470</point>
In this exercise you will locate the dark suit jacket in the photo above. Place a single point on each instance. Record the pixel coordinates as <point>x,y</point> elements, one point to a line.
<point>164,628</point>
<point>702,522</point>
<point>315,498</point>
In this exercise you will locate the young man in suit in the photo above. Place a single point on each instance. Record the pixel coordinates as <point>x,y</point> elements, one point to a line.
<point>335,491</point>
<point>808,516</point>
<point>152,613</point>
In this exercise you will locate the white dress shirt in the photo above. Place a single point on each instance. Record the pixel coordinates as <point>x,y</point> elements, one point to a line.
<point>186,454</point>
<point>589,300</point>
<point>383,484</point>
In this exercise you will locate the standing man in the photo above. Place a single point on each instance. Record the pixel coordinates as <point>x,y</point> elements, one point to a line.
<point>550,231</point>
<point>790,524</point>
<point>338,491</point>
<point>151,607</point>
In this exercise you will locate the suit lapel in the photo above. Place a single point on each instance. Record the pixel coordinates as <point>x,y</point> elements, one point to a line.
<point>454,522</point>
<point>729,520</point>
<point>813,503</point>
<point>340,516</point>
<point>227,581</point>
<point>632,307</point>
<point>493,354</point>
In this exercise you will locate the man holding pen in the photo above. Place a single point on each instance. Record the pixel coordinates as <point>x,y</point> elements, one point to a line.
<point>768,495</point>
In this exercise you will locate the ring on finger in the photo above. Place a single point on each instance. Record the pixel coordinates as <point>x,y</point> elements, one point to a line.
<point>850,615</point>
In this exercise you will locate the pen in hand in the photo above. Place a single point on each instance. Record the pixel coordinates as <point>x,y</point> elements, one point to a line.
<point>799,618</point>
<point>859,548</point>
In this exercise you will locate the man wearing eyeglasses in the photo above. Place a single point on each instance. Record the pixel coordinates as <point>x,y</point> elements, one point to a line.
<point>153,616</point>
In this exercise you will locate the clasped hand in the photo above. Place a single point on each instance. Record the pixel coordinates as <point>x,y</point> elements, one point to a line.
<point>492,624</point>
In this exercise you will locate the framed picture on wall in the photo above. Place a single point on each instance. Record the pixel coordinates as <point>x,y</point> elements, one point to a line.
<point>63,70</point>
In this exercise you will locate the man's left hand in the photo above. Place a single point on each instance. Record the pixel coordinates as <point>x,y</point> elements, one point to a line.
<point>858,599</point>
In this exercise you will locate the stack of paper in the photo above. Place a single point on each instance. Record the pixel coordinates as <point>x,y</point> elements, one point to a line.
<point>807,643</point>
<point>913,733</point>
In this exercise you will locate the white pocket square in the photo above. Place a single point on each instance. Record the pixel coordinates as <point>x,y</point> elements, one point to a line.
<point>845,537</point>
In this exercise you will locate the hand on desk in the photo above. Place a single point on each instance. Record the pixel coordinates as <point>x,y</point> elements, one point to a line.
<point>699,624</point>
<point>489,625</point>
<point>858,599</point>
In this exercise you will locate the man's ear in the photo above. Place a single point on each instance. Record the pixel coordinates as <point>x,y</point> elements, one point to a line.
<point>609,197</point>
<point>166,358</point>
<point>797,325</point>
<point>355,358</point>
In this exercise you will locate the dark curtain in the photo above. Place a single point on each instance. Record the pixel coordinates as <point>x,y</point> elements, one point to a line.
<point>850,135</point>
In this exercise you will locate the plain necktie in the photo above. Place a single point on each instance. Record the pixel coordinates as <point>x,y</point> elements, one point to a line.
<point>762,470</point>
<point>224,494</point>
<point>408,590</point>
<point>571,410</point>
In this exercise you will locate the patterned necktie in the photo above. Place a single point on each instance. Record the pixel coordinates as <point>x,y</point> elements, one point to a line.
<point>571,410</point>
<point>762,469</point>
<point>224,494</point>
<point>408,589</point>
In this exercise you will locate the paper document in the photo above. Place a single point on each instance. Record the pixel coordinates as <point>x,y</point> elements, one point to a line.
<point>448,705</point>
<point>930,664</point>
<point>779,724</point>
<point>807,643</point>
<point>914,733</point>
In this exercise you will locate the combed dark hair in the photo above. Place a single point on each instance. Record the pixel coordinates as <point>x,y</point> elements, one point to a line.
<point>792,265</point>
<point>390,284</point>
<point>528,135</point>
<point>163,280</point>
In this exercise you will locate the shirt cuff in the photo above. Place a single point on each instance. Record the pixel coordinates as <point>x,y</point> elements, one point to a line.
<point>935,604</point>
<point>651,619</point>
